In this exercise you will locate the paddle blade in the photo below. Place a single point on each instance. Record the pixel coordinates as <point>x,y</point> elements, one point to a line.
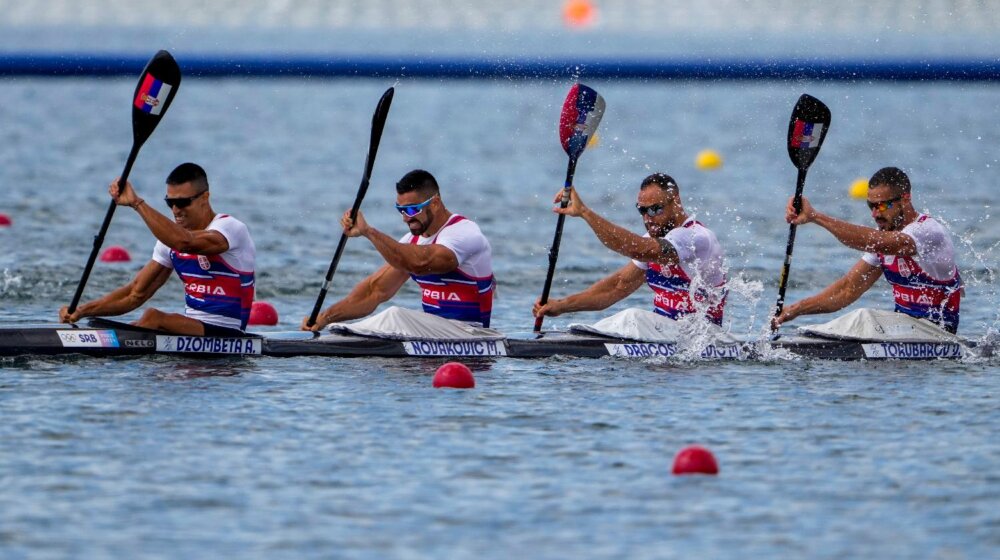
<point>806,130</point>
<point>378,125</point>
<point>157,87</point>
<point>581,113</point>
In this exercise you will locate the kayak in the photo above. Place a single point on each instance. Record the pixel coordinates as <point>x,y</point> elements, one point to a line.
<point>105,338</point>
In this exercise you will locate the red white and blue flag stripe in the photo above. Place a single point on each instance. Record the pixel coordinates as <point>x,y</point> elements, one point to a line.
<point>582,112</point>
<point>806,134</point>
<point>152,95</point>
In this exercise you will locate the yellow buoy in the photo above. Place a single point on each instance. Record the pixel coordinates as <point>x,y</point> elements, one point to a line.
<point>707,160</point>
<point>859,188</point>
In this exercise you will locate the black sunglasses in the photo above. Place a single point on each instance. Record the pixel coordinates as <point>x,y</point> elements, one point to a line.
<point>182,202</point>
<point>653,210</point>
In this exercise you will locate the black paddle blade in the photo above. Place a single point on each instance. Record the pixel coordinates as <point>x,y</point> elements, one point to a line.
<point>806,130</point>
<point>378,125</point>
<point>157,87</point>
<point>581,113</point>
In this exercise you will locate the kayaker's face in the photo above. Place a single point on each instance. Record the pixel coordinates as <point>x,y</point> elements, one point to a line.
<point>189,207</point>
<point>664,205</point>
<point>886,207</point>
<point>420,222</point>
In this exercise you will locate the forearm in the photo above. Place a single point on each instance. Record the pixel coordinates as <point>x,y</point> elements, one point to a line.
<point>833,298</point>
<point>169,233</point>
<point>601,295</point>
<point>409,257</point>
<point>118,302</point>
<point>361,302</point>
<point>855,236</point>
<point>621,240</point>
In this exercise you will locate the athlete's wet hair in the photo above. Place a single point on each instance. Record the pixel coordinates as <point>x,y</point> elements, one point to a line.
<point>418,180</point>
<point>892,177</point>
<point>662,180</point>
<point>189,173</point>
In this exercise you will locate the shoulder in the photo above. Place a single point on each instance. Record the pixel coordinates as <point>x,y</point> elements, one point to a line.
<point>926,229</point>
<point>692,231</point>
<point>462,228</point>
<point>226,222</point>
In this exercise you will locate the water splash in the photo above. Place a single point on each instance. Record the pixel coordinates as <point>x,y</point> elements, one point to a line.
<point>9,283</point>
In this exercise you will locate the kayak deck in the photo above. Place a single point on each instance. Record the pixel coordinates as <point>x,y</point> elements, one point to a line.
<point>103,337</point>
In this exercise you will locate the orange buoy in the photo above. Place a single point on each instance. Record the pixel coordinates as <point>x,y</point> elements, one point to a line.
<point>695,459</point>
<point>263,313</point>
<point>116,253</point>
<point>579,13</point>
<point>454,375</point>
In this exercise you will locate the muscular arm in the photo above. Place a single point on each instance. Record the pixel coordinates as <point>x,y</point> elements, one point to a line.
<point>631,245</point>
<point>854,236</point>
<point>868,239</point>
<point>125,298</point>
<point>171,234</point>
<point>412,258</point>
<point>836,296</point>
<point>602,294</point>
<point>377,288</point>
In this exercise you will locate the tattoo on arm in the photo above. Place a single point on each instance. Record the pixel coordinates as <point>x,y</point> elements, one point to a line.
<point>666,248</point>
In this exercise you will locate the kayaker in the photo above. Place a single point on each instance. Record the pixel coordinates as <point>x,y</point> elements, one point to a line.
<point>212,253</point>
<point>912,250</point>
<point>445,254</point>
<point>678,257</point>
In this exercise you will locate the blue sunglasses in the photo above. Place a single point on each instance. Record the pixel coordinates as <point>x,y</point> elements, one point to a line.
<point>411,210</point>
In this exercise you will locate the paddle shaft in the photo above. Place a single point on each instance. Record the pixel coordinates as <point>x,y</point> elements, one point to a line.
<point>797,204</point>
<point>99,238</point>
<point>340,251</point>
<point>554,250</point>
<point>378,125</point>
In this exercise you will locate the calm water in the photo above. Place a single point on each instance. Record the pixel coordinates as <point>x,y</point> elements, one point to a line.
<point>562,458</point>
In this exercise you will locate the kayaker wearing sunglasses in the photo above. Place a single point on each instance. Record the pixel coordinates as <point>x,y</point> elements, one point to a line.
<point>445,254</point>
<point>213,255</point>
<point>679,258</point>
<point>912,250</point>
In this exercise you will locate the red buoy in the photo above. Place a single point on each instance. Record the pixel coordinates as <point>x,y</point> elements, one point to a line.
<point>695,459</point>
<point>454,375</point>
<point>263,313</point>
<point>5,220</point>
<point>116,253</point>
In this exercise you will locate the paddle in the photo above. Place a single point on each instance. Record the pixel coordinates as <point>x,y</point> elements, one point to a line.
<point>155,91</point>
<point>581,113</point>
<point>806,131</point>
<point>378,123</point>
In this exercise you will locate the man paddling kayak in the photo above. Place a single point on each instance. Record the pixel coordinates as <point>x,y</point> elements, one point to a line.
<point>445,254</point>
<point>913,251</point>
<point>680,259</point>
<point>213,255</point>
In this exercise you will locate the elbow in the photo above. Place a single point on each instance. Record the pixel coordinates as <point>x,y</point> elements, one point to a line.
<point>184,246</point>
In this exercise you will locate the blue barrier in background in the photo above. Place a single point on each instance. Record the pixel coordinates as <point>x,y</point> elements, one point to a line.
<point>339,66</point>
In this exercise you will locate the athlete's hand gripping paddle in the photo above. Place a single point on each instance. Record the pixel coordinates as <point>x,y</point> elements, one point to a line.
<point>806,131</point>
<point>378,124</point>
<point>157,87</point>
<point>581,113</point>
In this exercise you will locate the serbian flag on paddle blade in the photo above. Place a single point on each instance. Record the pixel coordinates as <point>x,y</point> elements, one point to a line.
<point>580,115</point>
<point>152,95</point>
<point>806,135</point>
